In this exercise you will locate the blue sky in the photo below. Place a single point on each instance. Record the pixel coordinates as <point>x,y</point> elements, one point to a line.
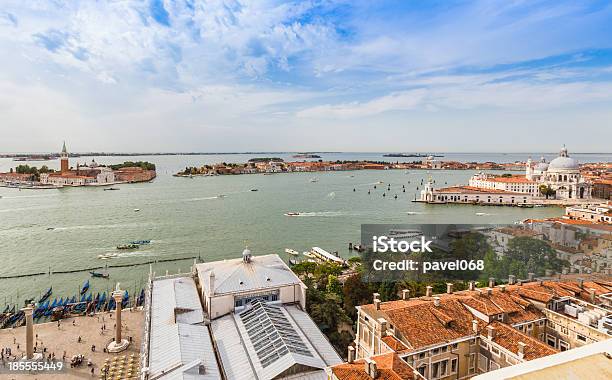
<point>238,75</point>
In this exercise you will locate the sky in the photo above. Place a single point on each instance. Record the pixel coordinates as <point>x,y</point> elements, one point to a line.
<point>232,76</point>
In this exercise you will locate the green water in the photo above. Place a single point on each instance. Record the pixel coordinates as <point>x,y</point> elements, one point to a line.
<point>185,217</point>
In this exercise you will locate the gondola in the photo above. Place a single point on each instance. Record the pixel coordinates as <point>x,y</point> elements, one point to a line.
<point>141,298</point>
<point>46,295</point>
<point>126,299</point>
<point>6,310</point>
<point>85,287</point>
<point>101,301</point>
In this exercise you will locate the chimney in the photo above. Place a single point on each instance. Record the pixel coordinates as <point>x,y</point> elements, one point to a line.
<point>581,283</point>
<point>436,301</point>
<point>511,279</point>
<point>521,349</point>
<point>490,332</point>
<point>406,294</point>
<point>530,276</point>
<point>211,283</point>
<point>489,291</point>
<point>351,354</point>
<point>377,304</point>
<point>428,291</point>
<point>502,288</point>
<point>475,326</point>
<point>383,326</point>
<point>491,282</point>
<point>472,285</point>
<point>519,283</point>
<point>375,296</point>
<point>592,294</point>
<point>370,368</point>
<point>373,370</point>
<point>449,287</point>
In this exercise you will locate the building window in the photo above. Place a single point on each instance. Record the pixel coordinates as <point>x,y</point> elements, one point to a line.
<point>551,341</point>
<point>422,369</point>
<point>495,351</point>
<point>472,363</point>
<point>483,363</point>
<point>435,351</point>
<point>581,338</point>
<point>455,346</point>
<point>454,365</point>
<point>493,366</point>
<point>563,346</point>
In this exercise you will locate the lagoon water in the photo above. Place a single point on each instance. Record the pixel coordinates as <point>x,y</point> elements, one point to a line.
<point>42,230</point>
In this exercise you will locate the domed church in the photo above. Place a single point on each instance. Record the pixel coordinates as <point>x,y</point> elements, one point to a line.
<point>562,175</point>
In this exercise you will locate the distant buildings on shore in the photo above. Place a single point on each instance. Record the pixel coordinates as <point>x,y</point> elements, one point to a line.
<point>92,174</point>
<point>561,179</point>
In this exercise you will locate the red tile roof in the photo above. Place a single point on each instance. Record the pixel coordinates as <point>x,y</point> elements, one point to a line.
<point>389,366</point>
<point>509,338</point>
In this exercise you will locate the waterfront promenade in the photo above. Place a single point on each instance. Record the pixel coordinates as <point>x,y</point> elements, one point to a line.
<point>65,339</point>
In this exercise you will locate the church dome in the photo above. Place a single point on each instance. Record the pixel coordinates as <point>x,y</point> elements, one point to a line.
<point>563,162</point>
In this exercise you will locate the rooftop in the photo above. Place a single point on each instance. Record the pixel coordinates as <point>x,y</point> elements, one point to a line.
<point>389,366</point>
<point>236,275</point>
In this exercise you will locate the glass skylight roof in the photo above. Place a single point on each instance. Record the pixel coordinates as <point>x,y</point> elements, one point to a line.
<point>271,333</point>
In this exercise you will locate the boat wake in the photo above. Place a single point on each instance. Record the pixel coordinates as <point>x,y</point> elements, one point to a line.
<point>483,214</point>
<point>322,214</point>
<point>101,226</point>
<point>415,213</point>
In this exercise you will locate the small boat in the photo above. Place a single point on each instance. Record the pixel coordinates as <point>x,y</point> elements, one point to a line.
<point>50,228</point>
<point>85,287</point>
<point>136,209</point>
<point>99,274</point>
<point>292,214</point>
<point>308,254</point>
<point>140,242</point>
<point>221,196</point>
<point>46,295</point>
<point>108,255</point>
<point>314,180</point>
<point>111,188</point>
<point>254,190</point>
<point>126,299</point>
<point>128,246</point>
<point>292,252</point>
<point>481,214</point>
<point>293,262</point>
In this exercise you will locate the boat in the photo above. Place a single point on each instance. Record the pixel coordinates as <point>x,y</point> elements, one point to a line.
<point>99,274</point>
<point>481,214</point>
<point>141,298</point>
<point>314,180</point>
<point>126,299</point>
<point>292,214</point>
<point>128,246</point>
<point>308,254</point>
<point>292,252</point>
<point>111,188</point>
<point>140,242</point>
<point>85,287</point>
<point>108,255</point>
<point>136,209</point>
<point>254,190</point>
<point>221,196</point>
<point>401,234</point>
<point>293,262</point>
<point>46,295</point>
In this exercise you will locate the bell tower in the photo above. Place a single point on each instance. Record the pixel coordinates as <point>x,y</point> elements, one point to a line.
<point>64,159</point>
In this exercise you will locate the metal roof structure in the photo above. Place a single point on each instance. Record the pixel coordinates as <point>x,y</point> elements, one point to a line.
<point>237,275</point>
<point>180,346</point>
<point>269,341</point>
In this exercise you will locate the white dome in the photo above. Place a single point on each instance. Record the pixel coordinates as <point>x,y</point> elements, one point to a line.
<point>541,166</point>
<point>563,163</point>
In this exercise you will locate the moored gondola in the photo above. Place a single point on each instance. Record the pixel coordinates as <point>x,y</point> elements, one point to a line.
<point>85,287</point>
<point>46,295</point>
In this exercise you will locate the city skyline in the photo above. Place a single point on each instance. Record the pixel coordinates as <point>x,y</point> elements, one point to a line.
<point>306,76</point>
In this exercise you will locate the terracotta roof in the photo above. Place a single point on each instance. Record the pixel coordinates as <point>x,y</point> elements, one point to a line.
<point>509,338</point>
<point>424,324</point>
<point>475,190</point>
<point>394,343</point>
<point>390,367</point>
<point>513,179</point>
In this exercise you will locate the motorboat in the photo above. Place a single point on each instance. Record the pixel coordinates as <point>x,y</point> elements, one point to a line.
<point>291,252</point>
<point>292,214</point>
<point>314,180</point>
<point>99,274</point>
<point>111,188</point>
<point>128,246</point>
